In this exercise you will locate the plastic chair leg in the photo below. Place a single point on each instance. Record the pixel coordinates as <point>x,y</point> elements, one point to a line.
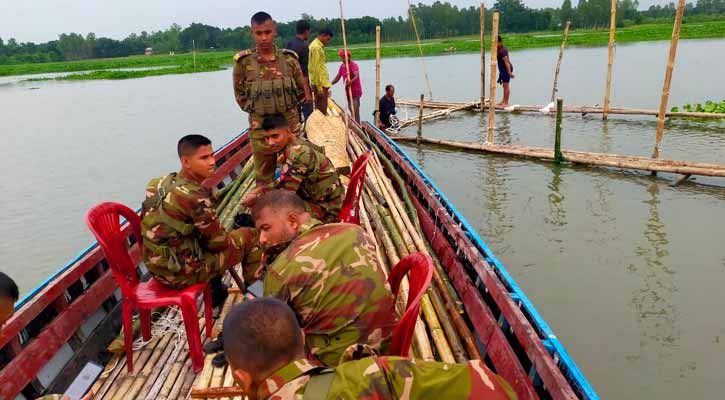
<point>207,311</point>
<point>191,324</point>
<point>145,317</point>
<point>127,315</point>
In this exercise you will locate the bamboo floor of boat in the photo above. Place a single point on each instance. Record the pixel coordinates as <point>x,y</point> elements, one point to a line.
<point>162,369</point>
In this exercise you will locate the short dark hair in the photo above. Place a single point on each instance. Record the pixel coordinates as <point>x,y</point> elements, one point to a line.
<point>326,31</point>
<point>260,18</point>
<point>190,143</point>
<point>388,87</point>
<point>260,334</point>
<point>302,26</point>
<point>8,288</point>
<point>278,199</point>
<point>274,121</point>
<point>499,38</point>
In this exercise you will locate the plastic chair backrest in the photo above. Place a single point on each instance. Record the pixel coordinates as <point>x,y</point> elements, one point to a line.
<point>104,220</point>
<point>349,212</point>
<point>419,267</point>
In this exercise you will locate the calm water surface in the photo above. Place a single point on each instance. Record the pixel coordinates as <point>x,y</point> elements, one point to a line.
<point>626,269</point>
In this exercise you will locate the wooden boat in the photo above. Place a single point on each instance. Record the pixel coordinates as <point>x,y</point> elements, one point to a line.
<point>71,317</point>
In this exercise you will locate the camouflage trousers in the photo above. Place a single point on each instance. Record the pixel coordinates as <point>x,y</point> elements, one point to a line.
<point>325,215</point>
<point>265,160</point>
<point>210,265</point>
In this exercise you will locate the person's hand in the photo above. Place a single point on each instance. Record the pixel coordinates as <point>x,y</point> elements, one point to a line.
<point>513,76</point>
<point>249,198</point>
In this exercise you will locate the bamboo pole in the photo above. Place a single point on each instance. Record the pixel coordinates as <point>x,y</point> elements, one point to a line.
<point>492,86</point>
<point>420,50</point>
<point>612,30</point>
<point>420,117</point>
<point>587,158</point>
<point>554,90</point>
<point>377,76</point>
<point>347,63</point>
<point>668,77</point>
<point>558,157</point>
<point>483,59</point>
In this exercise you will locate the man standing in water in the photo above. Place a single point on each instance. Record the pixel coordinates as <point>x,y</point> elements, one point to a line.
<point>505,72</point>
<point>267,81</point>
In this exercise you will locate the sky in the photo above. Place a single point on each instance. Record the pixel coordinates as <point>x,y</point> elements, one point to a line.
<point>43,20</point>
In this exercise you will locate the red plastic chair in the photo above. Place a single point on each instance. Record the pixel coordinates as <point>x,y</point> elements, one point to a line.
<point>349,211</point>
<point>419,268</point>
<point>104,221</point>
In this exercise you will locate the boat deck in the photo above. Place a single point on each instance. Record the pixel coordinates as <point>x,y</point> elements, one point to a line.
<point>162,369</point>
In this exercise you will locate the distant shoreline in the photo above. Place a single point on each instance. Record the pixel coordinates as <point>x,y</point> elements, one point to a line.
<point>211,61</point>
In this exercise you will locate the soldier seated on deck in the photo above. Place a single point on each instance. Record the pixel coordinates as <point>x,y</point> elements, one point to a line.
<point>184,243</point>
<point>328,274</point>
<point>265,350</point>
<point>304,169</point>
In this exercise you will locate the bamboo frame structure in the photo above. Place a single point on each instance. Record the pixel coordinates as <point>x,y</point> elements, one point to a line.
<point>459,106</point>
<point>668,78</point>
<point>612,30</point>
<point>483,57</point>
<point>347,66</point>
<point>554,89</point>
<point>377,75</point>
<point>420,49</point>
<point>492,90</point>
<point>420,116</point>
<point>582,157</point>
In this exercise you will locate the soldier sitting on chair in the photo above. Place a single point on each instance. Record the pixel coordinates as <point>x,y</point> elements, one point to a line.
<point>304,169</point>
<point>184,243</point>
<point>265,350</point>
<point>328,274</point>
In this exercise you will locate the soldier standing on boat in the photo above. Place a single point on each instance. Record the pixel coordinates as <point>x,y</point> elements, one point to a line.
<point>268,81</point>
<point>184,244</point>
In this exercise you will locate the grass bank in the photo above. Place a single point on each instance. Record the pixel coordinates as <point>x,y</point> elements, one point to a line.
<point>209,61</point>
<point>131,74</point>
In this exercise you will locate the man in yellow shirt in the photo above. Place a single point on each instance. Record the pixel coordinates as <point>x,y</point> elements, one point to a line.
<point>317,67</point>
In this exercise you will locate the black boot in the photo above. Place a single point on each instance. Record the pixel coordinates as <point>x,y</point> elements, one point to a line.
<point>214,346</point>
<point>219,360</point>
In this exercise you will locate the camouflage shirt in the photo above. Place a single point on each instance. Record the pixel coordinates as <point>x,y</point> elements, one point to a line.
<point>383,378</point>
<point>306,170</point>
<point>201,253</point>
<point>330,277</point>
<point>243,72</point>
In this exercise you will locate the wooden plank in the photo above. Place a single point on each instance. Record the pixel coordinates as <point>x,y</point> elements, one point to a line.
<point>229,165</point>
<point>23,368</point>
<point>216,392</point>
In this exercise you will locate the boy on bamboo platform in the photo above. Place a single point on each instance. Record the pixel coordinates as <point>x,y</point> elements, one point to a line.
<point>328,274</point>
<point>266,354</point>
<point>304,169</point>
<point>184,244</point>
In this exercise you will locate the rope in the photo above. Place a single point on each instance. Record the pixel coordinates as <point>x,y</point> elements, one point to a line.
<point>164,324</point>
<point>420,50</point>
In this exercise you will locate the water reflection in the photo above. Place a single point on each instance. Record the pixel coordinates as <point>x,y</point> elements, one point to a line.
<point>557,212</point>
<point>656,312</point>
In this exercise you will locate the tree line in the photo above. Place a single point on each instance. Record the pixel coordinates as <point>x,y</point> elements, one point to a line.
<point>437,20</point>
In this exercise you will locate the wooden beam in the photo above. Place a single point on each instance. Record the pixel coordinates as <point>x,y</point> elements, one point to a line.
<point>554,90</point>
<point>492,86</point>
<point>612,30</point>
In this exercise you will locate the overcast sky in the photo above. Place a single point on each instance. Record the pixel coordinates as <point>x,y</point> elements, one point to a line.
<point>43,20</point>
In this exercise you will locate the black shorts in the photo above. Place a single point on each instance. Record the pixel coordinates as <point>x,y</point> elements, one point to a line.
<point>503,77</point>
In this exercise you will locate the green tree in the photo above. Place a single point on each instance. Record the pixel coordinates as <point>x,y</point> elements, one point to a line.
<point>566,12</point>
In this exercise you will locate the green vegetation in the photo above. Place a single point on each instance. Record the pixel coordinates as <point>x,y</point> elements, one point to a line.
<point>709,107</point>
<point>213,60</point>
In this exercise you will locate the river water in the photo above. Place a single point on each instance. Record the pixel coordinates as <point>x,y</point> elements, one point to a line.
<point>625,268</point>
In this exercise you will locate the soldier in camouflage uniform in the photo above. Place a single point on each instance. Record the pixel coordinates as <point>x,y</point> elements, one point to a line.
<point>267,81</point>
<point>305,170</point>
<point>328,274</point>
<point>183,241</point>
<point>266,357</point>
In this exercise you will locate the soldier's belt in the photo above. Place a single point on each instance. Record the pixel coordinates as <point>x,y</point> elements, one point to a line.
<point>158,249</point>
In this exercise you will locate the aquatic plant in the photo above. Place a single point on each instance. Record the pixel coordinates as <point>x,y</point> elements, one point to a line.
<point>709,107</point>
